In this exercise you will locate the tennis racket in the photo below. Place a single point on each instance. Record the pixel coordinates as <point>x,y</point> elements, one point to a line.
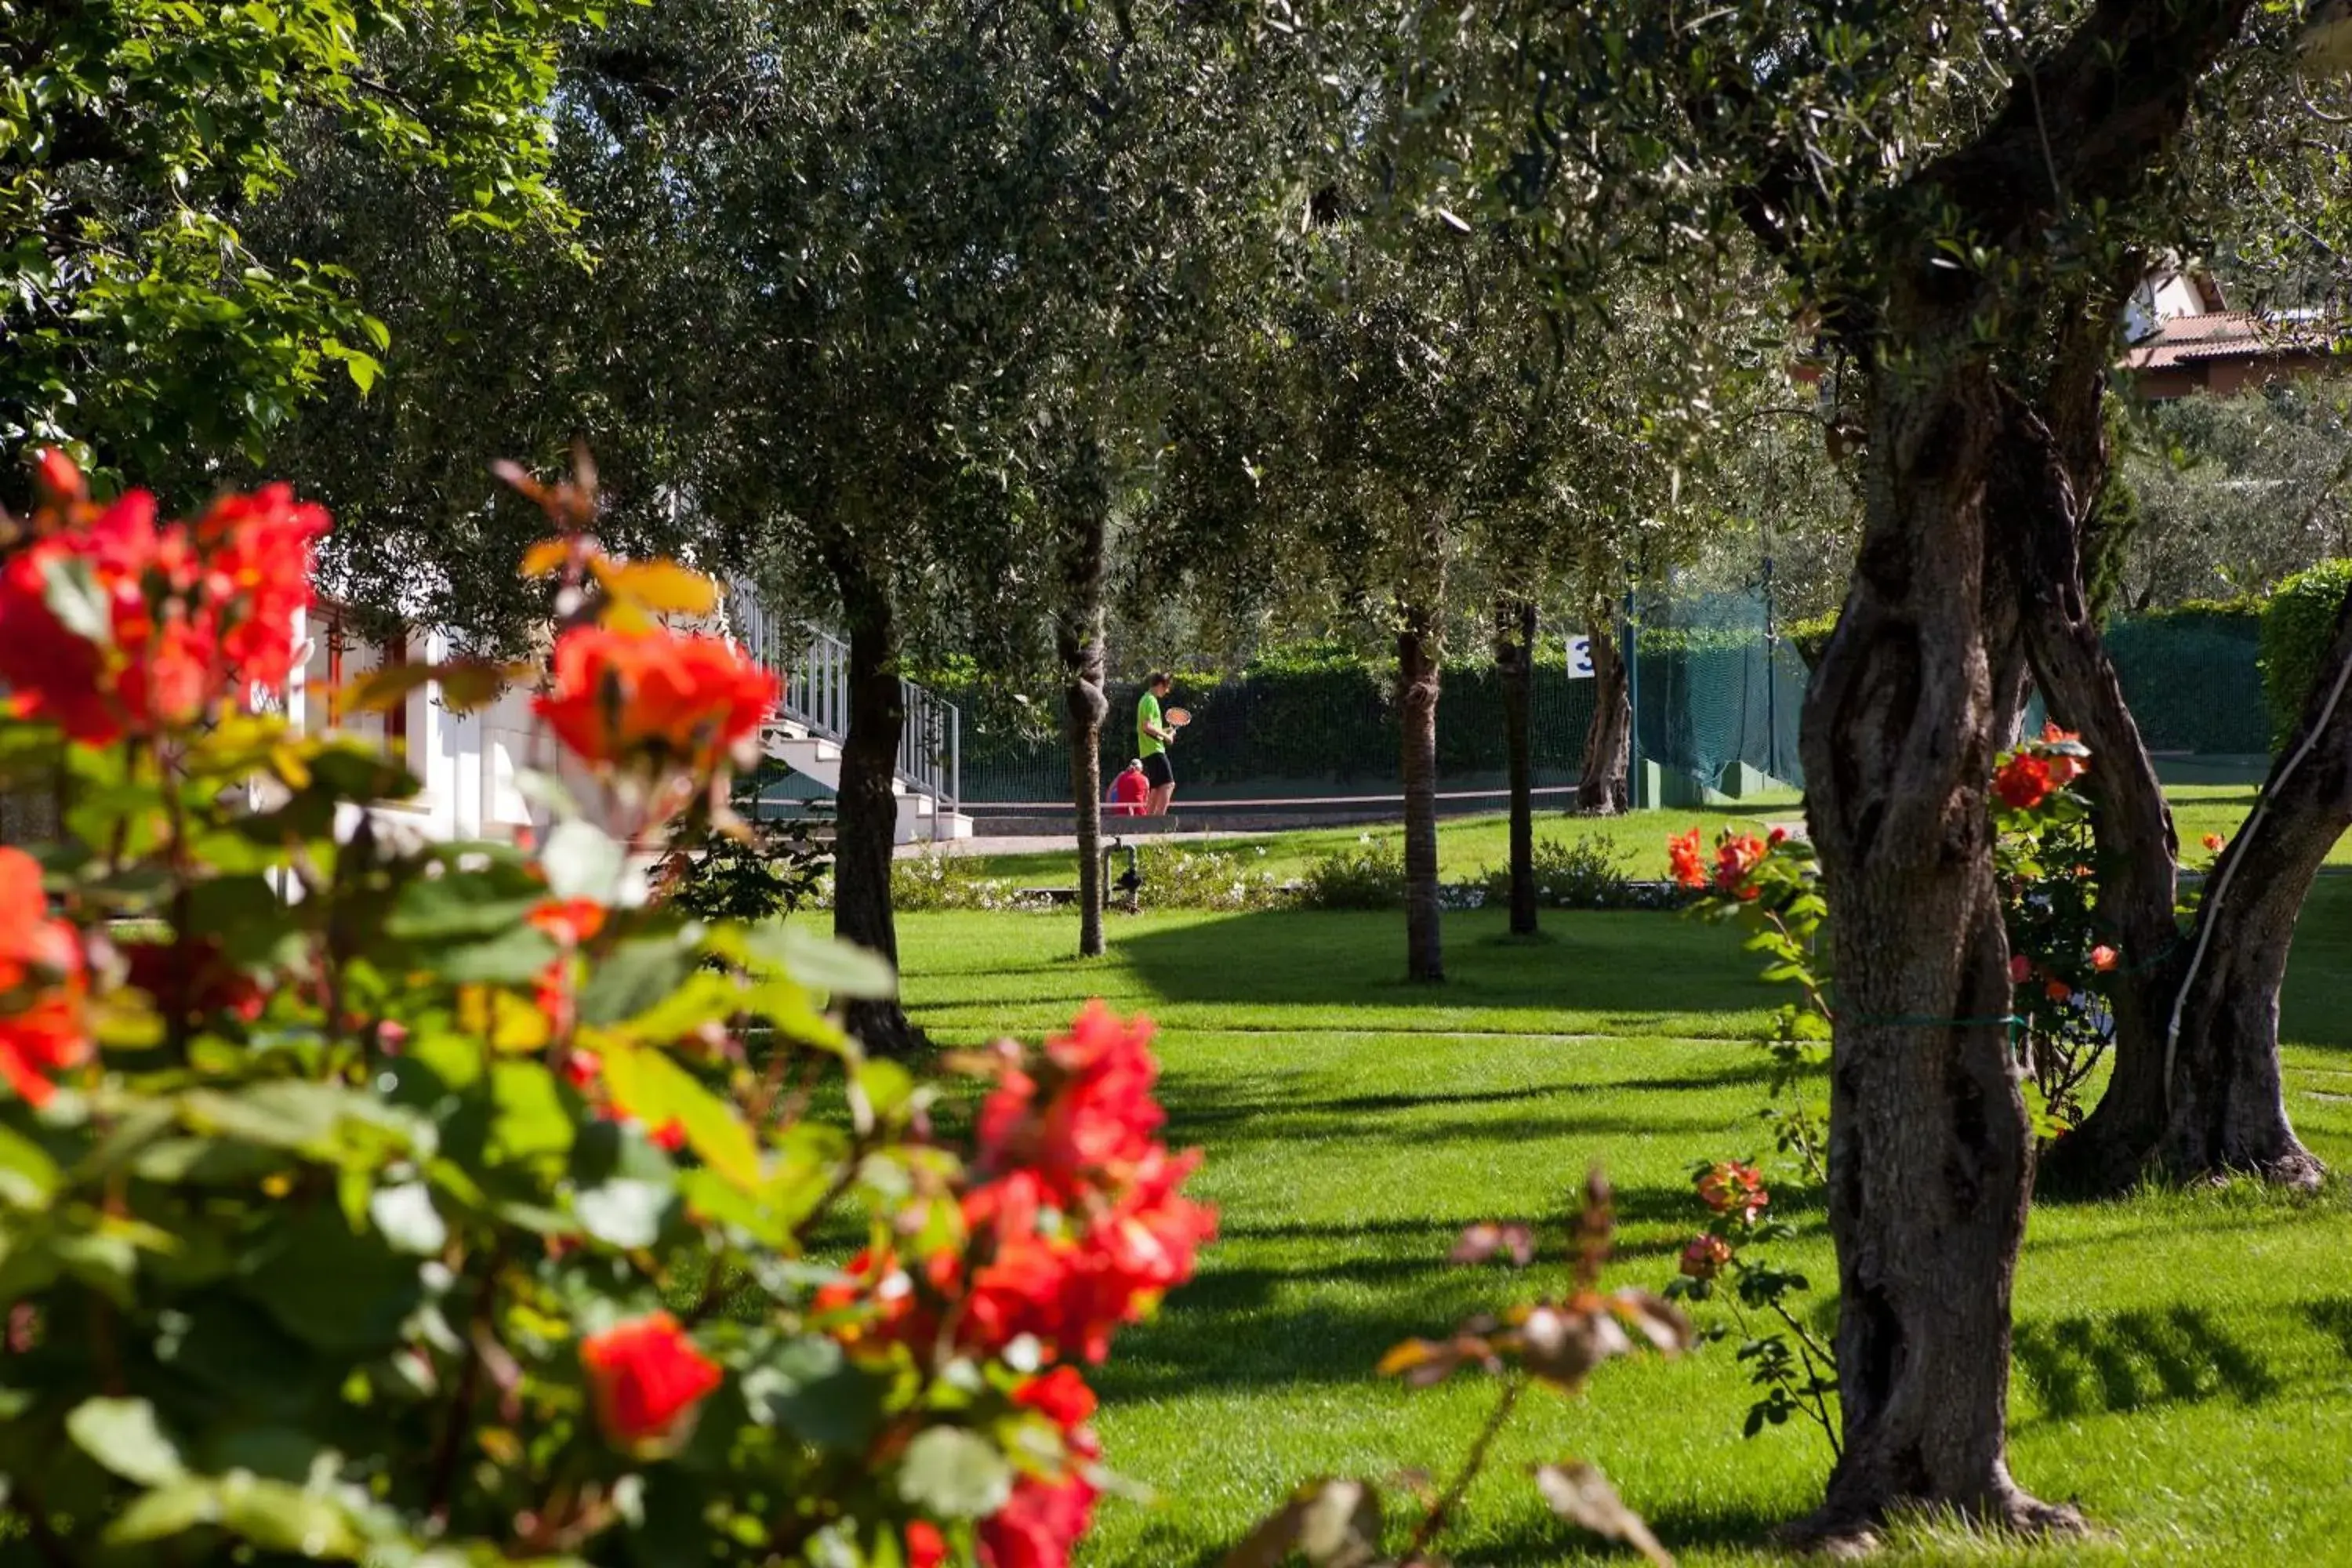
<point>1177,718</point>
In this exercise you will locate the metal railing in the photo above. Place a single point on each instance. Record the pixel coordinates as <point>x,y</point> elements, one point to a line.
<point>812,668</point>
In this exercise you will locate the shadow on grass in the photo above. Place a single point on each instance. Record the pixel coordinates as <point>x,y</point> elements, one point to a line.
<point>1328,1313</point>
<point>2081,1366</point>
<point>1640,963</point>
<point>2332,1316</point>
<point>1166,1543</point>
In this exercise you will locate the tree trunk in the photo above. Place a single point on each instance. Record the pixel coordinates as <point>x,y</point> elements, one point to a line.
<point>1930,1151</point>
<point>2195,1091</point>
<point>1417,684</point>
<point>865,826</point>
<point>1608,743</point>
<point>1079,644</point>
<point>1515,668</point>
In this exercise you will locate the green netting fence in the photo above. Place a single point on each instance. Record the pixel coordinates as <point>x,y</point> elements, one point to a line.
<point>1719,696</point>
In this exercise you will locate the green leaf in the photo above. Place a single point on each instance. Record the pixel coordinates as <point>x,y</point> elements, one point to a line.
<point>27,1175</point>
<point>531,1120</point>
<point>69,588</point>
<point>277,1516</point>
<point>457,904</point>
<point>812,1390</point>
<point>405,1216</point>
<point>123,1435</point>
<point>166,1513</point>
<point>513,957</point>
<point>821,963</point>
<point>950,1473</point>
<point>645,1083</point>
<point>583,861</point>
<point>634,977</point>
<point>624,1211</point>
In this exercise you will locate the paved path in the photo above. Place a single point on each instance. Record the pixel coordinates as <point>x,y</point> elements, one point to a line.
<point>1055,843</point>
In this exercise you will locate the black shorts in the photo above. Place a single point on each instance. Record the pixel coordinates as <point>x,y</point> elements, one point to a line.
<point>1156,769</point>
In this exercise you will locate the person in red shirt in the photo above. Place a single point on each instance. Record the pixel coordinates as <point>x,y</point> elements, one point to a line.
<point>1130,790</point>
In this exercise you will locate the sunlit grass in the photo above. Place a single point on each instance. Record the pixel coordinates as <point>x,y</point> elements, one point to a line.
<point>2184,1363</point>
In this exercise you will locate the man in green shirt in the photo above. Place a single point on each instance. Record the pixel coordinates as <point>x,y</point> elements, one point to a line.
<point>1151,738</point>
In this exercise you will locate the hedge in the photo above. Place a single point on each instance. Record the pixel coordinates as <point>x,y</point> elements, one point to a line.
<point>2297,623</point>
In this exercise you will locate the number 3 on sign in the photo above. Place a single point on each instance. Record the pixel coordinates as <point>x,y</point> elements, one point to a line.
<point>1579,658</point>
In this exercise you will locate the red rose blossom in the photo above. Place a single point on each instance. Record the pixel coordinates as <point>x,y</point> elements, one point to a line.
<point>925,1547</point>
<point>646,1377</point>
<point>42,984</point>
<point>1683,854</point>
<point>1705,1256</point>
<point>196,613</point>
<point>626,697</point>
<point>1729,1186</point>
<point>2021,969</point>
<point>2023,782</point>
<point>1735,857</point>
<point>2105,958</point>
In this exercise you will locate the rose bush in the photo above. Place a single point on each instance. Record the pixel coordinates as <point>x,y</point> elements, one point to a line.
<point>467,1205</point>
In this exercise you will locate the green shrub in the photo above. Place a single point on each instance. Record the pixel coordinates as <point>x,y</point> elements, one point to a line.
<point>1587,873</point>
<point>2296,625</point>
<point>1811,637</point>
<point>1180,878</point>
<point>1368,876</point>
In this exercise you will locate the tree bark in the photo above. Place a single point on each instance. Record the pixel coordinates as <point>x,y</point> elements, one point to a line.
<point>2195,1089</point>
<point>1930,1151</point>
<point>1078,645</point>
<point>865,826</point>
<point>1417,686</point>
<point>1515,668</point>
<point>1608,743</point>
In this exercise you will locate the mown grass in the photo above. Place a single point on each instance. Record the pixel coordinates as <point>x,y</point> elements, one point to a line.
<point>2184,1360</point>
<point>1467,845</point>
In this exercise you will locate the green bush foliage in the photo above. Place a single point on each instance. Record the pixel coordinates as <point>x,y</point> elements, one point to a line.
<point>2297,622</point>
<point>1368,876</point>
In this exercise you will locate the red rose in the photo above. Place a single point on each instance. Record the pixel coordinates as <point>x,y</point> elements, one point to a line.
<point>42,984</point>
<point>2023,782</point>
<point>2021,969</point>
<point>925,1547</point>
<point>1705,1256</point>
<point>1090,1120</point>
<point>2103,958</point>
<point>1683,854</point>
<point>2215,841</point>
<point>196,614</point>
<point>626,698</point>
<point>2057,990</point>
<point>646,1377</point>
<point>1729,1186</point>
<point>570,921</point>
<point>1735,857</point>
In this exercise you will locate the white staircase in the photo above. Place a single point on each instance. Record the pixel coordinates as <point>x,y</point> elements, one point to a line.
<point>813,719</point>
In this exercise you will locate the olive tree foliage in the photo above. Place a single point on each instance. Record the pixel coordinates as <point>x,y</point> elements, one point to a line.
<point>503,346</point>
<point>2236,494</point>
<point>1960,198</point>
<point>140,142</point>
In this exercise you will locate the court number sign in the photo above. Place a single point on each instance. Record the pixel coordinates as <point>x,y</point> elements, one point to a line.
<point>1579,658</point>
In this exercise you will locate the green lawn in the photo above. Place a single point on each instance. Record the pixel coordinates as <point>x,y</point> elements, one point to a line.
<point>1467,845</point>
<point>2184,1363</point>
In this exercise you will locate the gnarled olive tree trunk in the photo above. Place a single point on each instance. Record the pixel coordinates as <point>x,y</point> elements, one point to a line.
<point>1515,669</point>
<point>2195,1089</point>
<point>1931,1157</point>
<point>1417,688</point>
<point>865,822</point>
<point>1601,790</point>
